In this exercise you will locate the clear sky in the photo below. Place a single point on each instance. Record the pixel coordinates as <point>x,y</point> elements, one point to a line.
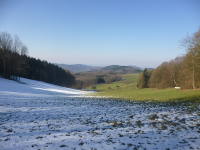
<point>102,32</point>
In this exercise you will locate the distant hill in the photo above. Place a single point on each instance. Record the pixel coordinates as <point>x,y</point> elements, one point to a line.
<point>76,68</point>
<point>121,69</point>
<point>109,74</point>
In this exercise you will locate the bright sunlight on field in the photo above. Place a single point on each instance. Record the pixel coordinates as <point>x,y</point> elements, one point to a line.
<point>127,89</point>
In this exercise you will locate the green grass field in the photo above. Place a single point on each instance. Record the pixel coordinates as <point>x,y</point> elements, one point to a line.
<point>126,89</point>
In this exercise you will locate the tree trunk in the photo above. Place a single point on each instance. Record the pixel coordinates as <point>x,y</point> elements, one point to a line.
<point>193,74</point>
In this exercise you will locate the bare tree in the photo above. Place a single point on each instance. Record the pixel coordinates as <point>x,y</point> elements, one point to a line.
<point>192,45</point>
<point>10,51</point>
<point>24,50</point>
<point>17,44</point>
<point>6,41</point>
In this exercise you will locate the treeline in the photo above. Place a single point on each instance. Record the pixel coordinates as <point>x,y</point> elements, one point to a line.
<point>181,72</point>
<point>15,63</point>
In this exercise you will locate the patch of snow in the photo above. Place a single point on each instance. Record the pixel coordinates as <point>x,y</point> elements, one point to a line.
<point>29,87</point>
<point>37,115</point>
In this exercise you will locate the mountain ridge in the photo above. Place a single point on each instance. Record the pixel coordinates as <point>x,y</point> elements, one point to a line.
<point>78,68</point>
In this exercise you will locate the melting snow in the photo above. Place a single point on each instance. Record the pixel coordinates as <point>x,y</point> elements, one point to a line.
<point>37,115</point>
<point>29,87</point>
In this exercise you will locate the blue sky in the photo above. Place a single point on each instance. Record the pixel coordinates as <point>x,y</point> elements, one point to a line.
<point>102,32</point>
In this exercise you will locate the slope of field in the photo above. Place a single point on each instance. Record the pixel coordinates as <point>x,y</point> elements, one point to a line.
<point>37,115</point>
<point>36,88</point>
<point>127,89</point>
<point>56,123</point>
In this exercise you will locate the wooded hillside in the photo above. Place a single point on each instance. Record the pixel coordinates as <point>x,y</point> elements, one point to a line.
<point>181,72</point>
<point>14,63</point>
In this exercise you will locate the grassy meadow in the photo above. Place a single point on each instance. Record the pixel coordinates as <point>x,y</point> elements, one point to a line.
<point>126,89</point>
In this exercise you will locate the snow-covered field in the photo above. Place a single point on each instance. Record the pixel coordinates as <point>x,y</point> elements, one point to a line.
<point>35,88</point>
<point>36,115</point>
